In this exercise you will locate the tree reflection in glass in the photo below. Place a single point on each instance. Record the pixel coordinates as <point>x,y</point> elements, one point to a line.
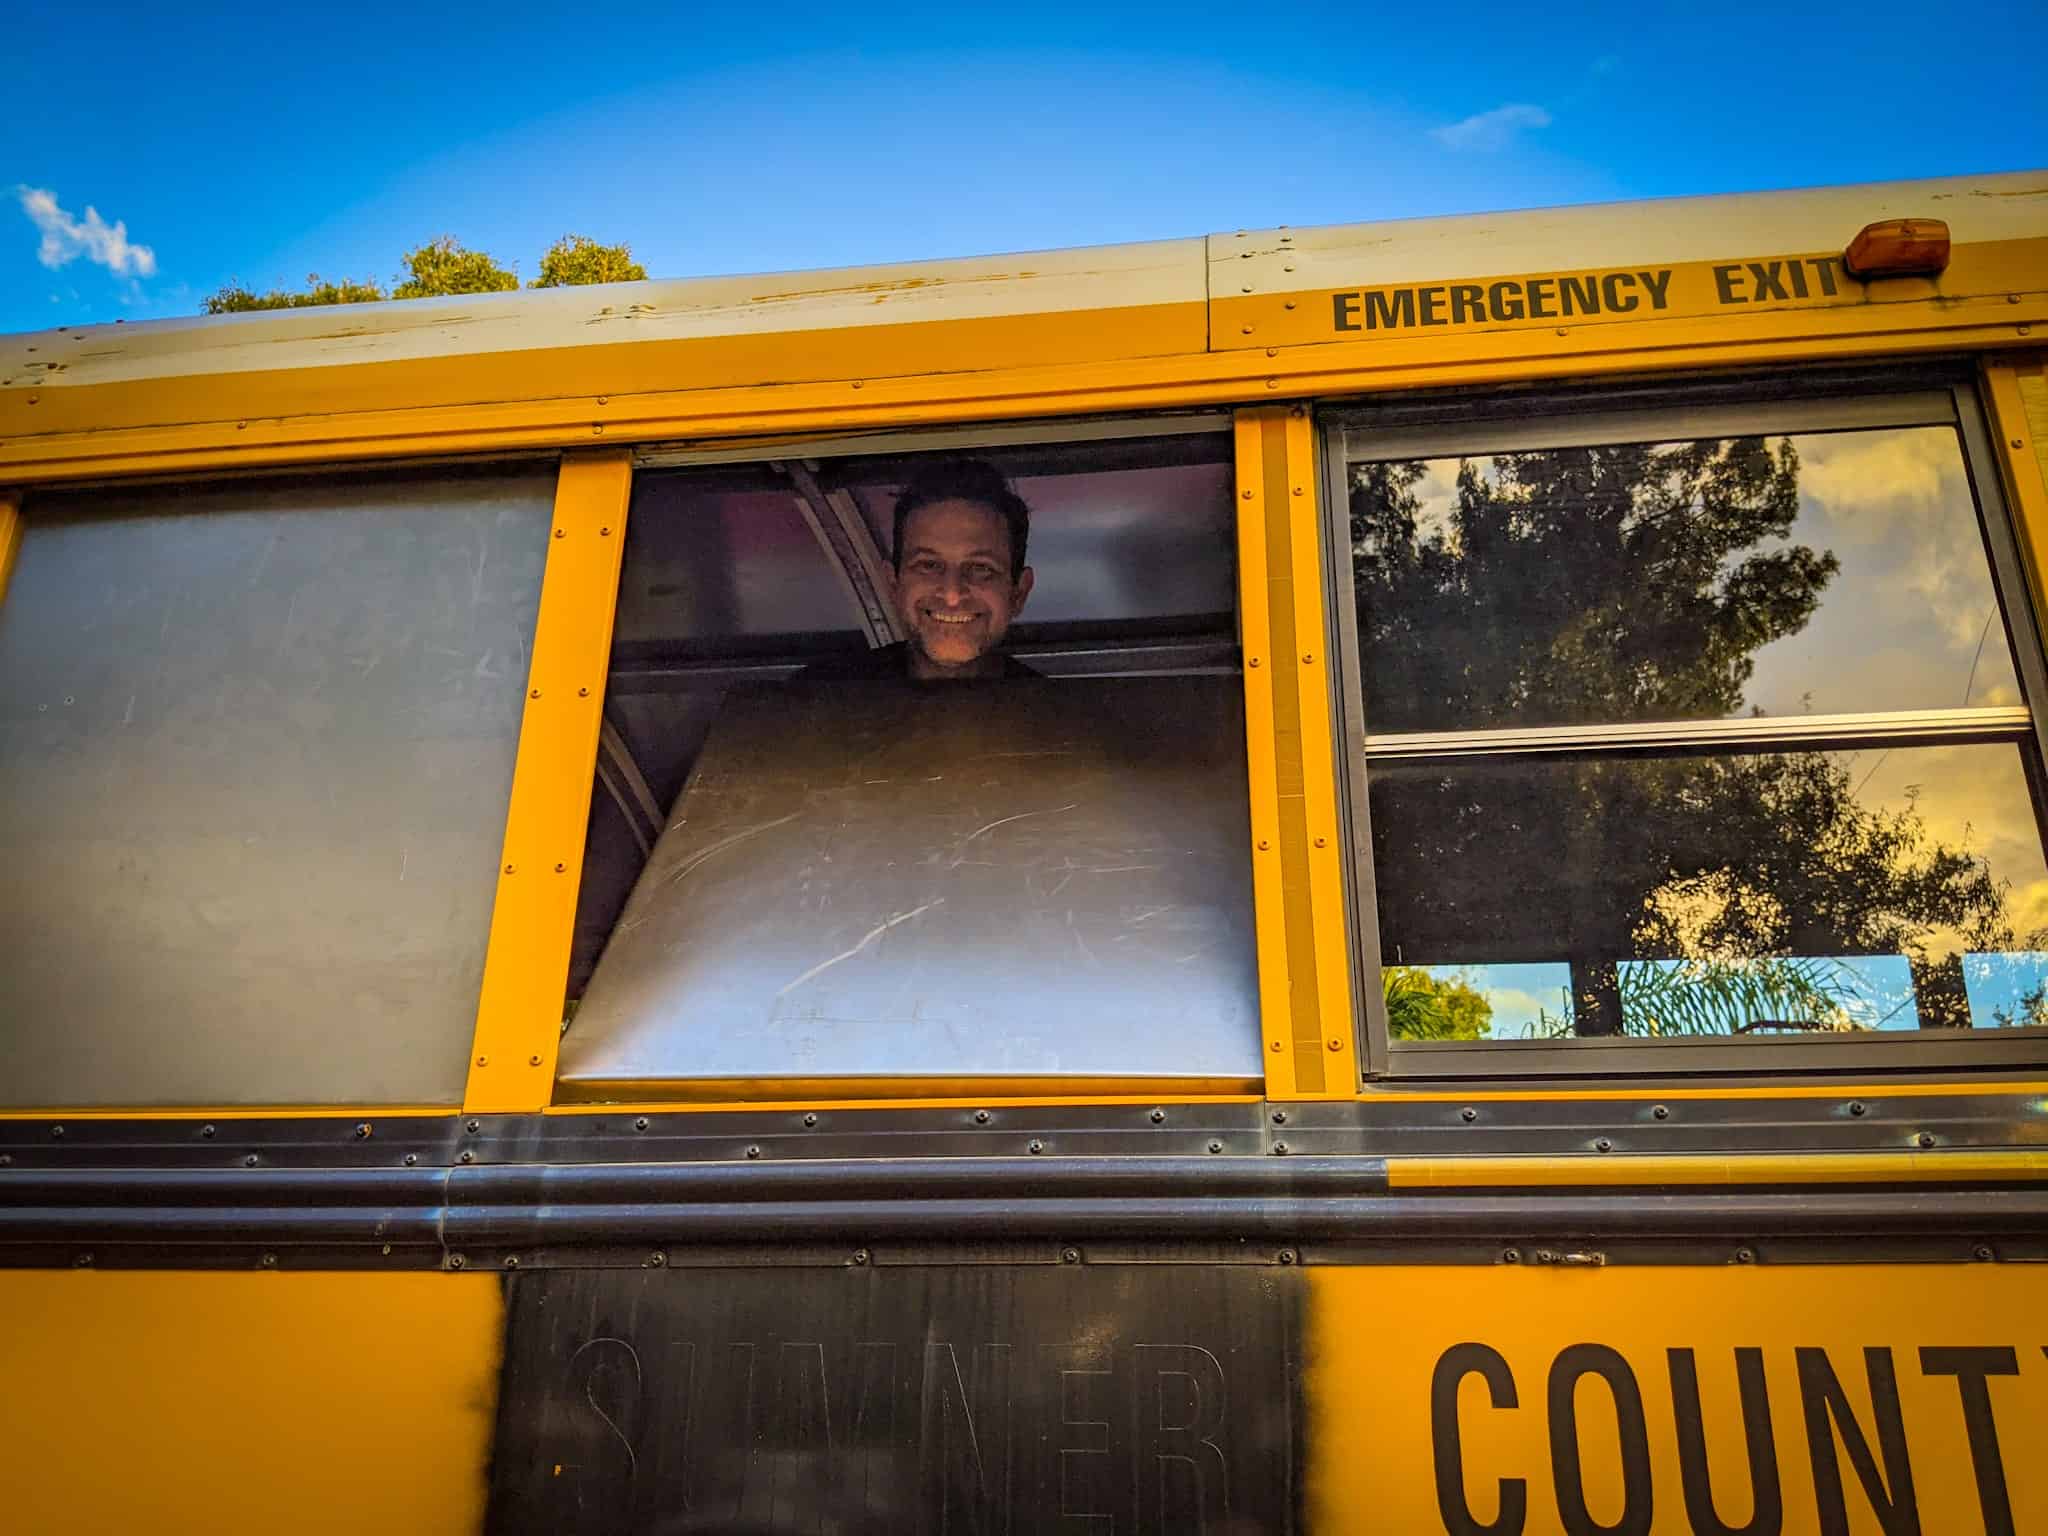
<point>1686,893</point>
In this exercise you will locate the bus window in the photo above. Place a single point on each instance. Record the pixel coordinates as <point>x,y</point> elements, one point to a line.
<point>1696,726</point>
<point>256,742</point>
<point>812,862</point>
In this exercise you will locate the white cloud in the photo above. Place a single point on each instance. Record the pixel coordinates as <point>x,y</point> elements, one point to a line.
<point>1491,130</point>
<point>66,238</point>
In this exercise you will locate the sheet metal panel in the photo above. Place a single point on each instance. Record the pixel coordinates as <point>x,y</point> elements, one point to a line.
<point>872,1399</point>
<point>255,748</point>
<point>1030,878</point>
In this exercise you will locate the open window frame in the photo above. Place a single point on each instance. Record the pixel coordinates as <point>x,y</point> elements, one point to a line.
<point>1475,424</point>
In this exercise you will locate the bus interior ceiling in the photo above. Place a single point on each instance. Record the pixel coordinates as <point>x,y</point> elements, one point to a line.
<point>739,575</point>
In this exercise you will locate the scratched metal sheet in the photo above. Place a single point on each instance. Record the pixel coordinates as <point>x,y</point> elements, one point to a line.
<point>255,745</point>
<point>1029,878</point>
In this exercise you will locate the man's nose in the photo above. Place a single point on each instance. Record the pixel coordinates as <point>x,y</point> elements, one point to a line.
<point>953,588</point>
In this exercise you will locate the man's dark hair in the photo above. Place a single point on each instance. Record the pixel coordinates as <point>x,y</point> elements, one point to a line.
<point>974,480</point>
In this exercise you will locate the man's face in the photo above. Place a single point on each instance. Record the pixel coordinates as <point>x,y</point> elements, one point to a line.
<point>954,589</point>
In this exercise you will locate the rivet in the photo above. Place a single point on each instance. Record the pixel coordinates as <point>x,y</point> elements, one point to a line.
<point>508,869</point>
<point>207,1132</point>
<point>1037,1147</point>
<point>1661,1112</point>
<point>1279,1117</point>
<point>1253,662</point>
<point>533,1061</point>
<point>249,1161</point>
<point>1322,842</point>
<point>83,1261</point>
<point>561,868</point>
<point>1983,1253</point>
<point>456,1261</point>
<point>1244,255</point>
<point>1335,1044</point>
<point>363,1130</point>
<point>1308,658</point>
<point>753,1151</point>
<point>6,1159</point>
<point>533,693</point>
<point>809,1121</point>
<point>582,693</point>
<point>1288,1255</point>
<point>604,400</point>
<point>387,1250</point>
<point>561,533</point>
<point>1297,490</point>
<point>1511,1255</point>
<point>604,533</point>
<point>1925,1138</point>
<point>860,1255</point>
<point>1265,843</point>
<point>596,431</point>
<point>1158,1117</point>
<point>1279,1149</point>
<point>1070,1255</point>
<point>856,383</point>
<point>1856,1107</point>
<point>1247,330</point>
<point>1289,304</point>
<point>1603,1145</point>
<point>1279,1046</point>
<point>2012,298</point>
<point>57,1131</point>
<point>467,1157</point>
<point>270,1261</point>
<point>1272,351</point>
<point>1563,331</point>
<point>658,1259</point>
<point>511,1261</point>
<point>1272,383</point>
<point>1288,268</point>
<point>1247,495</point>
<point>981,1117</point>
<point>640,1124</point>
<point>1745,1255</point>
<point>1215,1146</point>
<point>474,1126</point>
<point>2026,330</point>
<point>241,426</point>
<point>1245,288</point>
<point>485,1061</point>
<point>35,399</point>
<point>412,1159</point>
<point>2019,442</point>
<point>1468,1114</point>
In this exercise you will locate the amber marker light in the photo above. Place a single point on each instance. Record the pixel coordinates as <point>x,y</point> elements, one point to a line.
<point>1898,248</point>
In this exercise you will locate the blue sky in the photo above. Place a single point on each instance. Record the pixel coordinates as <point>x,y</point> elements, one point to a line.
<point>267,143</point>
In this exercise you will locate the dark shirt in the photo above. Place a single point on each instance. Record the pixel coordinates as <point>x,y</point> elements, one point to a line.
<point>885,664</point>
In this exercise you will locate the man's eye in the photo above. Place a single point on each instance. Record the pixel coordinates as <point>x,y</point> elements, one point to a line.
<point>980,575</point>
<point>925,566</point>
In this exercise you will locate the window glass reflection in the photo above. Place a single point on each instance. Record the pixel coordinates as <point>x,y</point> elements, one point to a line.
<point>1822,573</point>
<point>1763,893</point>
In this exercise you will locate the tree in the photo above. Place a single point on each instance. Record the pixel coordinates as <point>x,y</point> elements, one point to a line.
<point>235,299</point>
<point>1613,584</point>
<point>443,266</point>
<point>1425,1007</point>
<point>574,260</point>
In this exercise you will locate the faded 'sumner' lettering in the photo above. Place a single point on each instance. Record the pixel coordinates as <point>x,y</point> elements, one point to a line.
<point>1566,296</point>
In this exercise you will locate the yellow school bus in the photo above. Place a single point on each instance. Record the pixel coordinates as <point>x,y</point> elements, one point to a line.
<point>1487,970</point>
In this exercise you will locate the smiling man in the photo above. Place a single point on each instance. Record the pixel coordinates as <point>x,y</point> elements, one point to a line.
<point>958,579</point>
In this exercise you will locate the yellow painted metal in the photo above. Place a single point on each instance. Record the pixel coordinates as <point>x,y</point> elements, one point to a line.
<point>1304,986</point>
<point>1592,1169</point>
<point>1832,1088</point>
<point>1380,1452</point>
<point>1336,1042</point>
<point>924,1092</point>
<point>526,968</point>
<point>1256,627</point>
<point>506,402</point>
<point>209,1403</point>
<point>10,536</point>
<point>2021,435</point>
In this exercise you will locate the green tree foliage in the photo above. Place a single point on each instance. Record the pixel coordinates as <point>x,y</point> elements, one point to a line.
<point>574,260</point>
<point>235,299</point>
<point>1612,584</point>
<point>1425,1007</point>
<point>443,266</point>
